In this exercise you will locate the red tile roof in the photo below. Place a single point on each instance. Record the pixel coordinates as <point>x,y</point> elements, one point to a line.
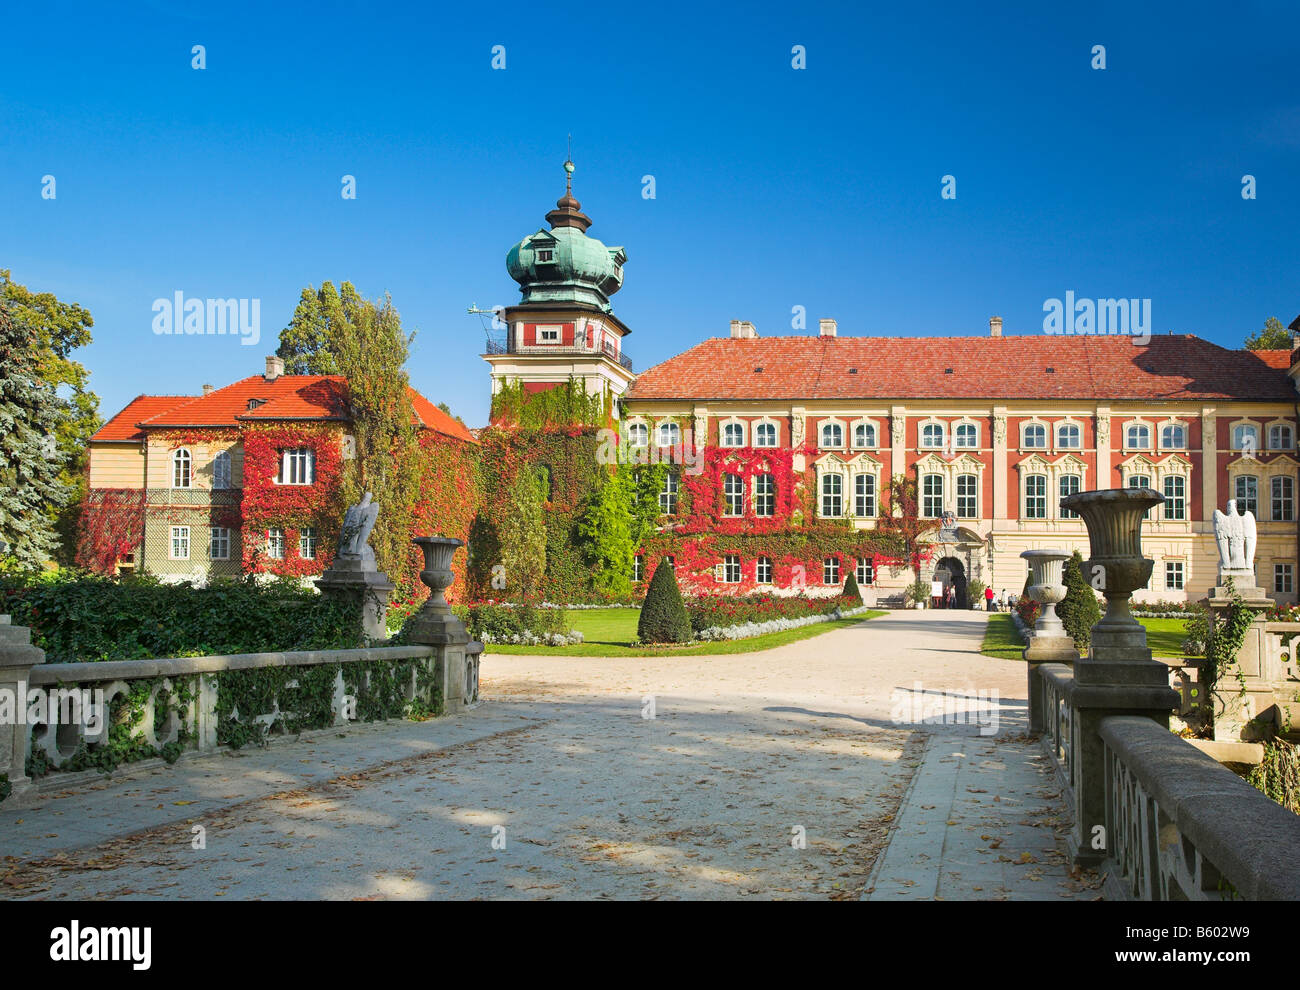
<point>1025,367</point>
<point>288,397</point>
<point>123,427</point>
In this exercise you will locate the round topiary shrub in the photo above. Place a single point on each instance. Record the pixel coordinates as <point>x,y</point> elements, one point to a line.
<point>664,618</point>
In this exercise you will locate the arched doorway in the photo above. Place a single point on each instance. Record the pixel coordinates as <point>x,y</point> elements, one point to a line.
<point>952,571</point>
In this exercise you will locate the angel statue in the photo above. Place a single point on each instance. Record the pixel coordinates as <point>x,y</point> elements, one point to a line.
<point>1235,534</point>
<point>358,521</point>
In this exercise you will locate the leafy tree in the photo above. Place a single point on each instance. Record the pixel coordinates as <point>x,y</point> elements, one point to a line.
<point>523,536</point>
<point>447,409</point>
<point>664,618</point>
<point>903,519</point>
<point>370,349</point>
<point>851,587</point>
<point>60,328</point>
<point>309,344</point>
<point>1079,611</point>
<point>1273,337</point>
<point>619,516</point>
<point>30,461</point>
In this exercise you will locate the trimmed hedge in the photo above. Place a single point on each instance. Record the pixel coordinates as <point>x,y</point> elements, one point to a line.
<point>851,587</point>
<point>664,618</point>
<point>78,618</point>
<point>499,622</point>
<point>732,610</point>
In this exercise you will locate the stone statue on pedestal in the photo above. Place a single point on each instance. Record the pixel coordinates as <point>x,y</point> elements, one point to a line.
<point>358,522</point>
<point>1235,534</point>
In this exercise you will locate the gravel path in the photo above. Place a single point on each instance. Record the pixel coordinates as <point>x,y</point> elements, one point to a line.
<point>765,775</point>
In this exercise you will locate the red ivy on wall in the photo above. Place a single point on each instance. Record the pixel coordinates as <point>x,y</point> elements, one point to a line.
<point>111,526</point>
<point>268,505</point>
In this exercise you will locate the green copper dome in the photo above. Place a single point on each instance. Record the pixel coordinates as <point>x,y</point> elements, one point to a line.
<point>563,264</point>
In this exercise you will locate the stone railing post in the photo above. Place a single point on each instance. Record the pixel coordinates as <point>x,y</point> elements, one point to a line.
<point>456,655</point>
<point>17,658</point>
<point>1118,676</point>
<point>1050,642</point>
<point>348,579</point>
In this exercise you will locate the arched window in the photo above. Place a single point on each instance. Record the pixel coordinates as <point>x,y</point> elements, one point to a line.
<point>1175,497</point>
<point>832,495</point>
<point>1137,437</point>
<point>1068,437</point>
<point>1247,494</point>
<point>864,496</point>
<point>1036,436</point>
<point>864,435</point>
<point>221,470</point>
<point>638,435</point>
<point>733,434</point>
<point>765,435</point>
<point>1036,496</point>
<point>1174,437</point>
<point>1280,437</point>
<point>670,434</point>
<point>182,468</point>
<point>967,435</point>
<point>1245,437</point>
<point>832,435</point>
<point>733,491</point>
<point>668,496</point>
<point>967,496</point>
<point>932,435</point>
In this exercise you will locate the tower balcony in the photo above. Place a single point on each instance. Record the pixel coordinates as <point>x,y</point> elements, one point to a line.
<point>501,342</point>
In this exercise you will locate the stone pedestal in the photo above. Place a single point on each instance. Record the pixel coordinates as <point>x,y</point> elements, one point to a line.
<point>1233,712</point>
<point>456,655</point>
<point>1049,643</point>
<point>17,658</point>
<point>353,578</point>
<point>1119,676</point>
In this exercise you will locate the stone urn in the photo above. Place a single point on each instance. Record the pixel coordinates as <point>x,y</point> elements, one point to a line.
<point>437,574</point>
<point>1116,567</point>
<point>1047,588</point>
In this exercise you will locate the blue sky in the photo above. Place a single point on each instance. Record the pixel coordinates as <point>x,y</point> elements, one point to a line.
<point>775,187</point>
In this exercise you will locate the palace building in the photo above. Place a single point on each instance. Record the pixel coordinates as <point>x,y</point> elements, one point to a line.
<point>992,428</point>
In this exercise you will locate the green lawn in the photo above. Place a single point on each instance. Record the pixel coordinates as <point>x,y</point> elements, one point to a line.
<point>1001,638</point>
<point>609,632</point>
<point>1164,636</point>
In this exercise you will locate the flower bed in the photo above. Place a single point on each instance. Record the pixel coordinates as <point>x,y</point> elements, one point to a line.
<point>518,625</point>
<point>747,630</point>
<point>721,611</point>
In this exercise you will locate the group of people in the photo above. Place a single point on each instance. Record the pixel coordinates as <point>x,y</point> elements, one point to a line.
<point>1002,602</point>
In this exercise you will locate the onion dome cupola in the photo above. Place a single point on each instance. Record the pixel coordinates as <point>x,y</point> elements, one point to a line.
<point>564,264</point>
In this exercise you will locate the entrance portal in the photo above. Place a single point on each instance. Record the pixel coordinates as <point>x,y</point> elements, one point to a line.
<point>951,571</point>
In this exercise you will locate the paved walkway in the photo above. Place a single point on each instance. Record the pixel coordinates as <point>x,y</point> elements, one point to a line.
<point>780,774</point>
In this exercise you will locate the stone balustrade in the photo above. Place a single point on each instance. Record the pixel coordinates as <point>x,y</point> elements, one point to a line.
<point>1163,819</point>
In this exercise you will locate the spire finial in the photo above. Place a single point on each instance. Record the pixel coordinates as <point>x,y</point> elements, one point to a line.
<point>568,211</point>
<point>568,170</point>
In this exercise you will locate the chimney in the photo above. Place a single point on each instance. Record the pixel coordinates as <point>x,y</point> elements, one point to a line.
<point>207,389</point>
<point>827,327</point>
<point>995,326</point>
<point>743,330</point>
<point>274,368</point>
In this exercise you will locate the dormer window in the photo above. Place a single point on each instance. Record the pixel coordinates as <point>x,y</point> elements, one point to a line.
<point>254,403</point>
<point>545,254</point>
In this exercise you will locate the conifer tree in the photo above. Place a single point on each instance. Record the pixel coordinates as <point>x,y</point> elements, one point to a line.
<point>664,618</point>
<point>30,462</point>
<point>1080,611</point>
<point>851,587</point>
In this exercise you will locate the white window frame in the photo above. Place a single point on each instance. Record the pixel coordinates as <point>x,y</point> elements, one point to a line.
<point>965,426</point>
<point>831,424</point>
<point>1025,495</point>
<point>1283,578</point>
<point>1288,483</point>
<point>292,461</point>
<point>1058,431</point>
<point>550,334</point>
<point>731,568</point>
<point>830,570</point>
<point>731,432</point>
<point>1243,502</point>
<point>1178,567</point>
<point>864,424</point>
<point>1238,432</point>
<point>638,433</point>
<point>272,541</point>
<point>763,563</point>
<point>761,429</point>
<point>1138,424</point>
<point>182,464</point>
<point>1174,424</point>
<point>866,572</point>
<point>764,498</point>
<point>1034,423</point>
<point>218,536</point>
<point>927,498</point>
<point>308,539</point>
<point>974,497</point>
<point>933,427</point>
<point>668,494</point>
<point>837,496</point>
<point>871,498</point>
<point>222,471</point>
<point>180,539</point>
<point>1273,428</point>
<point>733,487</point>
<point>668,434</point>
